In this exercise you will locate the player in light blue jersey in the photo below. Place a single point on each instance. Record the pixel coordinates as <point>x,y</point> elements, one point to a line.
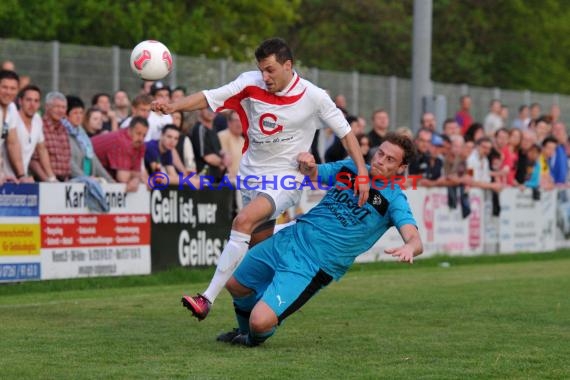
<point>281,274</point>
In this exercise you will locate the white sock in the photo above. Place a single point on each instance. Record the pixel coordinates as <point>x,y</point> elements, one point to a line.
<point>231,256</point>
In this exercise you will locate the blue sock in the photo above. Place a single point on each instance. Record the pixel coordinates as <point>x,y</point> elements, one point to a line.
<point>243,307</point>
<point>255,338</point>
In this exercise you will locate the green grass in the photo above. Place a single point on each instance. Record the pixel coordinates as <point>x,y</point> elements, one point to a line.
<point>486,317</point>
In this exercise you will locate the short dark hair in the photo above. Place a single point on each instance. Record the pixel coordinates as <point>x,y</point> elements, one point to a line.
<point>9,74</point>
<point>549,139</point>
<point>169,127</point>
<point>30,87</point>
<point>403,142</point>
<point>74,102</point>
<point>138,120</point>
<point>483,139</point>
<point>276,46</point>
<point>96,97</point>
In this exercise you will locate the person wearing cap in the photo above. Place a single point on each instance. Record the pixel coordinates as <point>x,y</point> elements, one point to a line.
<point>161,93</point>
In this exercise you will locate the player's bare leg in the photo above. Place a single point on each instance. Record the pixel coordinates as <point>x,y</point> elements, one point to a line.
<point>246,221</point>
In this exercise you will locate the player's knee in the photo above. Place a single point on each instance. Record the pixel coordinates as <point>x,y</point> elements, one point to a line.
<point>243,223</point>
<point>236,289</point>
<point>262,321</point>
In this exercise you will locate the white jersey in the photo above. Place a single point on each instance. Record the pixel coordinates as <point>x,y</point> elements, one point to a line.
<point>277,126</point>
<point>7,122</point>
<point>28,141</point>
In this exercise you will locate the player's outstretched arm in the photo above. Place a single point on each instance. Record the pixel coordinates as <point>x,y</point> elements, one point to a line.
<point>192,102</point>
<point>412,247</point>
<point>351,145</point>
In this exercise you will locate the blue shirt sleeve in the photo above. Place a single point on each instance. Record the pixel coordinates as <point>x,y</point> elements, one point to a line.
<point>400,212</point>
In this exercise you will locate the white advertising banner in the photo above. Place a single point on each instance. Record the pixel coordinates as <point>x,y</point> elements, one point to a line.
<point>526,224</point>
<point>76,242</point>
<point>562,227</point>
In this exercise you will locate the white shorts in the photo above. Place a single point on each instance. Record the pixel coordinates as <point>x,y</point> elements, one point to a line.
<point>281,198</point>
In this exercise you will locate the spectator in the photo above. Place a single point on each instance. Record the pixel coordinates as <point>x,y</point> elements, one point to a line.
<point>559,163</point>
<point>549,145</point>
<point>364,143</point>
<point>554,114</point>
<point>9,84</point>
<point>405,131</point>
<point>84,162</point>
<point>474,132</point>
<point>140,107</point>
<point>499,169</point>
<point>478,165</point>
<point>493,121</point>
<point>30,132</point>
<point>511,154</point>
<point>184,150</point>
<point>454,175</point>
<point>121,152</point>
<point>158,153</point>
<point>362,122</point>
<point>56,140</point>
<point>8,66</point>
<point>207,147</point>
<point>522,172</point>
<point>103,102</point>
<point>450,128</point>
<point>428,121</point>
<point>232,141</point>
<point>532,170</point>
<point>145,87</point>
<point>463,116</point>
<point>535,111</point>
<point>542,128</point>
<point>161,92</point>
<point>522,120</point>
<point>380,126</point>
<point>505,115</point>
<point>340,102</point>
<point>426,163</point>
<point>336,151</point>
<point>121,105</point>
<point>93,122</point>
<point>178,93</point>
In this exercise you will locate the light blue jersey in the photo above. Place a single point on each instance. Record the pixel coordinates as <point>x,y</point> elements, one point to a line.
<point>336,231</point>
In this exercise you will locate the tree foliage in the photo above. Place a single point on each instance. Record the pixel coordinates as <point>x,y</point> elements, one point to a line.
<point>509,43</point>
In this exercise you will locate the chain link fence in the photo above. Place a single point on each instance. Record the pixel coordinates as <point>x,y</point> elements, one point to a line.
<point>87,70</point>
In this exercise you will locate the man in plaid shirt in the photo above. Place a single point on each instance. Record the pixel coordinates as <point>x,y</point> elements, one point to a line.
<point>121,152</point>
<point>56,141</point>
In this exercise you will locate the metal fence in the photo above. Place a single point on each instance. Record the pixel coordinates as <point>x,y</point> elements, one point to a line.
<point>87,70</point>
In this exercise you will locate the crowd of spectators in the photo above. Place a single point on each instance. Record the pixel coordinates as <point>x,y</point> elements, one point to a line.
<point>116,139</point>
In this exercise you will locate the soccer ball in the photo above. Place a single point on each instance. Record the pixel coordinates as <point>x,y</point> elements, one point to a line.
<point>151,60</point>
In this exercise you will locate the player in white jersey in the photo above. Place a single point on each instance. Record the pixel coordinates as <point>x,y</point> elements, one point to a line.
<point>280,113</point>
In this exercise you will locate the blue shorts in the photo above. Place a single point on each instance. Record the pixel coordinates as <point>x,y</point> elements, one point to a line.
<point>279,271</point>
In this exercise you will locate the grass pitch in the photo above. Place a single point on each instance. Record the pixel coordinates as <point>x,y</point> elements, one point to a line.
<point>488,317</point>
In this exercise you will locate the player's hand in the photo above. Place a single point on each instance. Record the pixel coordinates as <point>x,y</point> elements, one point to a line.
<point>405,253</point>
<point>306,162</point>
<point>162,107</point>
<point>362,189</point>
